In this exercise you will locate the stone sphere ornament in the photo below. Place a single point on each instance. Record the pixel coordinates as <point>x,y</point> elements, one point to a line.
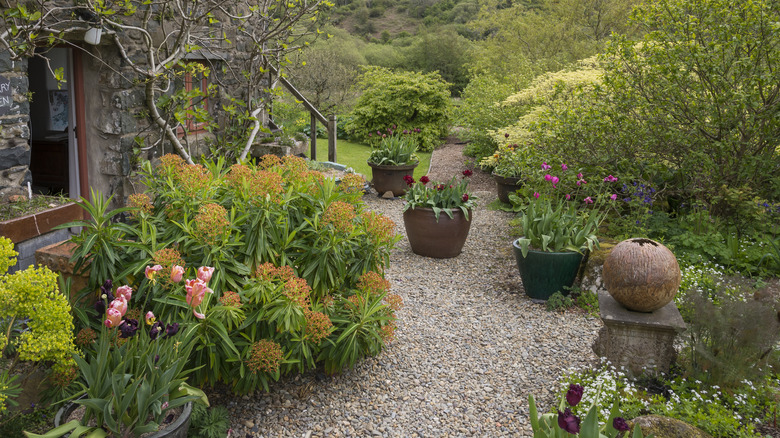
<point>641,274</point>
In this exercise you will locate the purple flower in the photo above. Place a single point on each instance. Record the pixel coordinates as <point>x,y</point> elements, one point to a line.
<point>548,177</point>
<point>155,330</point>
<point>613,197</point>
<point>100,307</point>
<point>172,329</point>
<point>128,327</point>
<point>545,166</point>
<point>588,200</point>
<point>568,421</point>
<point>156,358</point>
<point>619,424</point>
<point>506,135</point>
<point>574,394</point>
<point>106,290</point>
<point>610,179</point>
<point>536,195</point>
<point>564,167</point>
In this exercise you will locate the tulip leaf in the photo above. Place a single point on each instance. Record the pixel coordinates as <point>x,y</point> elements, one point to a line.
<point>590,426</point>
<point>57,431</point>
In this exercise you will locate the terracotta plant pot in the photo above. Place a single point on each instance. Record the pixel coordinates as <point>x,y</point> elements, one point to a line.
<point>506,185</point>
<point>544,273</point>
<point>391,178</point>
<point>177,429</point>
<point>441,240</point>
<point>641,274</point>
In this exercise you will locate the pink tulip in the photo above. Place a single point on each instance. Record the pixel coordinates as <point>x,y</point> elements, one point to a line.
<point>125,292</point>
<point>536,195</point>
<point>198,314</point>
<point>151,271</point>
<point>196,290</point>
<point>150,319</point>
<point>120,304</point>
<point>177,273</point>
<point>548,177</point>
<point>113,318</point>
<point>204,273</point>
<point>588,200</point>
<point>613,197</point>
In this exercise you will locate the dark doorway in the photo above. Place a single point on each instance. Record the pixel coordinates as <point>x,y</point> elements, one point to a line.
<point>54,159</point>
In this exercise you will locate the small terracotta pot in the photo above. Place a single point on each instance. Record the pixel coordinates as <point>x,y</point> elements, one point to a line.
<point>391,178</point>
<point>441,240</point>
<point>506,185</point>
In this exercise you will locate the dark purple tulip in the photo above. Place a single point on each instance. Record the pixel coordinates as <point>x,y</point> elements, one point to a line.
<point>619,423</point>
<point>574,394</point>
<point>155,330</point>
<point>106,290</point>
<point>568,421</point>
<point>172,329</point>
<point>128,327</point>
<point>156,358</point>
<point>100,308</point>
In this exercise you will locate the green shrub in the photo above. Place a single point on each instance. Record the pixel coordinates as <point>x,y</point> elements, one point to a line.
<point>402,101</point>
<point>296,263</point>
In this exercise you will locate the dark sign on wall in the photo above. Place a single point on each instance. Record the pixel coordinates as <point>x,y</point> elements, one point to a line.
<point>6,100</point>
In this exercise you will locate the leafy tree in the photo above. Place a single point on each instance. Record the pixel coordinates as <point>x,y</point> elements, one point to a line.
<point>401,101</point>
<point>442,51</point>
<point>706,86</point>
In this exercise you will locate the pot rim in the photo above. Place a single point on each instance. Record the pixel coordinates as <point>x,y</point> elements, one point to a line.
<point>531,249</point>
<point>183,417</point>
<point>393,166</point>
<point>506,177</point>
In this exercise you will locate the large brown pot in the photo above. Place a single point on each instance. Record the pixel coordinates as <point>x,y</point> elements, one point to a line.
<point>506,185</point>
<point>641,274</point>
<point>443,239</point>
<point>391,178</point>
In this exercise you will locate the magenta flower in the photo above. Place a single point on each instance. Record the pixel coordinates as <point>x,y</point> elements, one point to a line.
<point>204,273</point>
<point>619,424</point>
<point>369,134</point>
<point>613,197</point>
<point>424,179</point>
<point>574,394</point>
<point>125,292</point>
<point>555,180</point>
<point>545,166</point>
<point>610,179</point>
<point>548,177</point>
<point>579,175</point>
<point>568,197</point>
<point>536,195</point>
<point>588,200</point>
<point>177,273</point>
<point>564,167</point>
<point>465,197</point>
<point>568,421</point>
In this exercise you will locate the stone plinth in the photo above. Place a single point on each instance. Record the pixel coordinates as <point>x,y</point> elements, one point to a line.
<point>641,342</point>
<point>57,258</point>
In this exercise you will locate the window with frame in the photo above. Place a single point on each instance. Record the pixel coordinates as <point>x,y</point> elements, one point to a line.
<point>194,81</point>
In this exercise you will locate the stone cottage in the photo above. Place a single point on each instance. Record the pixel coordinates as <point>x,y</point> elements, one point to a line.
<point>89,130</point>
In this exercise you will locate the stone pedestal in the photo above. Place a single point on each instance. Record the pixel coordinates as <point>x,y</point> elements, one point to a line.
<point>57,258</point>
<point>641,342</point>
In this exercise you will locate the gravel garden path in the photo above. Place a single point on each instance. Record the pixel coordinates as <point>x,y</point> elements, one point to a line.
<point>470,346</point>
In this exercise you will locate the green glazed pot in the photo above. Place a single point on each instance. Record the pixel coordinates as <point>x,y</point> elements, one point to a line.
<point>544,273</point>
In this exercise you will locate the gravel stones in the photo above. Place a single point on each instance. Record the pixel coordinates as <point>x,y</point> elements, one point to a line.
<point>469,349</point>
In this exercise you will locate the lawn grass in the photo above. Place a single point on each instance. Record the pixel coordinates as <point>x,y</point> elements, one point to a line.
<point>354,155</point>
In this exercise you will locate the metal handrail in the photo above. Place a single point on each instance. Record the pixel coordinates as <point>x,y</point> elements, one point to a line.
<point>330,122</point>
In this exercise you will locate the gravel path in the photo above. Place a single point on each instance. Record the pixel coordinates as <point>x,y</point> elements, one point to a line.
<point>469,348</point>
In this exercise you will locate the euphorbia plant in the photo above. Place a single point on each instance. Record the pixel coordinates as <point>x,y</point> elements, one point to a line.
<point>565,424</point>
<point>440,196</point>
